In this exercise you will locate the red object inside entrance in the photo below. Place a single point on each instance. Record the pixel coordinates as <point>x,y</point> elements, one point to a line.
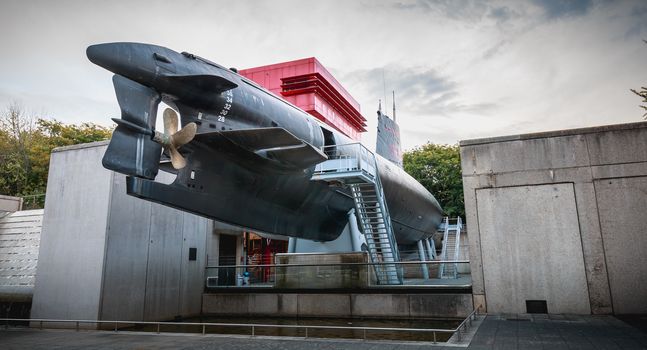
<point>307,84</point>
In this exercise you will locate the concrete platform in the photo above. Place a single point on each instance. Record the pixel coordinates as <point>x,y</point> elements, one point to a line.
<point>496,332</point>
<point>463,281</point>
<point>402,304</point>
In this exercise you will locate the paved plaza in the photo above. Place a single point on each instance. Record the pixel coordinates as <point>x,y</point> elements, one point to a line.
<point>495,332</point>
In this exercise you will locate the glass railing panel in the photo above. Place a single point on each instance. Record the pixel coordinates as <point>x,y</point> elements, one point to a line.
<point>337,276</point>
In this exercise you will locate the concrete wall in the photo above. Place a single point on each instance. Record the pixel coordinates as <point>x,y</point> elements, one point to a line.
<point>542,254</point>
<point>338,305</point>
<point>9,204</point>
<point>125,273</point>
<point>124,258</point>
<point>72,246</point>
<point>559,216</point>
<point>19,242</point>
<point>148,275</point>
<point>625,244</point>
<point>322,277</point>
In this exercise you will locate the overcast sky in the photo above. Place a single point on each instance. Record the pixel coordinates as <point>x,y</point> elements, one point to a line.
<point>461,69</point>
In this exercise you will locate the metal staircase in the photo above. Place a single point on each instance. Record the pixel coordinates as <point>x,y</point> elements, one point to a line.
<point>451,248</point>
<point>355,167</point>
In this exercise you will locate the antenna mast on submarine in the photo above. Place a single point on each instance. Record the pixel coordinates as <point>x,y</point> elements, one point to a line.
<point>386,102</point>
<point>394,106</point>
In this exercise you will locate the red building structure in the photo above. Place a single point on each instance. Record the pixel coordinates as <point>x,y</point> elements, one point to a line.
<point>307,84</point>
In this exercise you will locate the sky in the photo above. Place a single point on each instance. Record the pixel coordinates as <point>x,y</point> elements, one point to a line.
<point>461,69</point>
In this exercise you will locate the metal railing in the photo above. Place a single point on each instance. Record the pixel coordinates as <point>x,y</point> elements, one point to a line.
<point>351,157</point>
<point>462,327</point>
<point>351,275</point>
<point>356,167</point>
<point>33,201</point>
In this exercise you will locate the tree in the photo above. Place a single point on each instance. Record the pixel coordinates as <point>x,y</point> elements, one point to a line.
<point>642,94</point>
<point>15,138</point>
<point>438,168</point>
<point>25,148</point>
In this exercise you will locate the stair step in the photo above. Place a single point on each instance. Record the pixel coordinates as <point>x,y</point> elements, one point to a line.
<point>374,222</point>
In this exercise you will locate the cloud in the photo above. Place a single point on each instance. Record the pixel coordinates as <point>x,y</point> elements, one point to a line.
<point>500,11</point>
<point>75,109</point>
<point>638,16</point>
<point>563,8</point>
<point>456,9</point>
<point>430,105</point>
<point>420,91</point>
<point>503,13</point>
<point>461,69</point>
<point>495,49</point>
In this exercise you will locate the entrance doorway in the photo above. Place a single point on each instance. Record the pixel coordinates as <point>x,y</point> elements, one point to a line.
<point>227,257</point>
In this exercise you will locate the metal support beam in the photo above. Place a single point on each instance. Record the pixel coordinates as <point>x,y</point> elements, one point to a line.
<point>355,234</point>
<point>421,254</point>
<point>431,248</point>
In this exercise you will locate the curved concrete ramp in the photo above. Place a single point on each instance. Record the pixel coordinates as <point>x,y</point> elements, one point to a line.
<point>19,244</point>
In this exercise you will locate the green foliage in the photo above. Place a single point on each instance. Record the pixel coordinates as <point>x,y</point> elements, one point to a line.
<point>438,168</point>
<point>25,147</point>
<point>643,94</point>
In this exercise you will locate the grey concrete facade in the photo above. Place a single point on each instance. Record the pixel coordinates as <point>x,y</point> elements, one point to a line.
<point>71,255</point>
<point>559,216</point>
<point>322,277</point>
<point>10,204</point>
<point>107,255</point>
<point>19,242</point>
<point>347,305</point>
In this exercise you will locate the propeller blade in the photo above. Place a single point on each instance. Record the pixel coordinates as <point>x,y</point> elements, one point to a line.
<point>172,139</point>
<point>177,160</point>
<point>185,135</point>
<point>170,121</point>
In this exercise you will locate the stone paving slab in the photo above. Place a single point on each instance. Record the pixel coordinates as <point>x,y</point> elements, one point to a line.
<point>69,339</point>
<point>557,332</point>
<point>495,332</point>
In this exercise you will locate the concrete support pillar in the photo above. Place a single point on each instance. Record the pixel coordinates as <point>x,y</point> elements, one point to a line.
<point>355,234</point>
<point>421,254</point>
<point>292,245</point>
